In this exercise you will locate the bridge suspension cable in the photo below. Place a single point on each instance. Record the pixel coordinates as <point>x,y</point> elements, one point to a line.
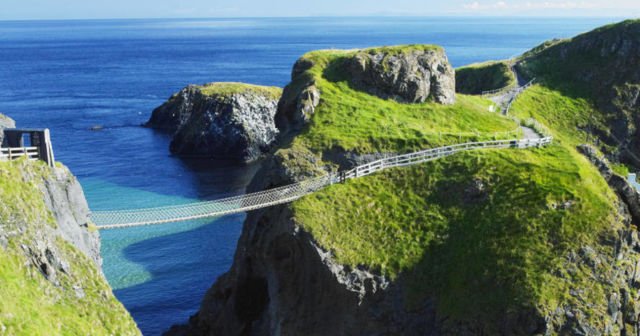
<point>285,194</point>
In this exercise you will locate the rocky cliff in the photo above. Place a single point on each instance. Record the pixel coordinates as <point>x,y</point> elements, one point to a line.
<point>5,122</point>
<point>50,277</point>
<point>494,242</point>
<point>220,120</point>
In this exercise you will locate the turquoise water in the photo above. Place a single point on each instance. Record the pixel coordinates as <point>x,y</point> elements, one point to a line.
<point>71,75</point>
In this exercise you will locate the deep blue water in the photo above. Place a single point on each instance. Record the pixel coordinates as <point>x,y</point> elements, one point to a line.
<point>71,75</point>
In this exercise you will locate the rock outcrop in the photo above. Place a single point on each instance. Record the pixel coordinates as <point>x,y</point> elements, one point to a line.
<point>5,122</point>
<point>627,193</point>
<point>299,99</point>
<point>64,197</point>
<point>220,120</point>
<point>409,74</point>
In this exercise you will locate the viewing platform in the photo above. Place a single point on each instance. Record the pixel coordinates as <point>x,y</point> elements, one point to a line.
<point>34,144</point>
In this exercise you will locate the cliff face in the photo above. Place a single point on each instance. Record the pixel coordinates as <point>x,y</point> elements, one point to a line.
<point>220,120</point>
<point>5,122</point>
<point>50,278</point>
<point>601,67</point>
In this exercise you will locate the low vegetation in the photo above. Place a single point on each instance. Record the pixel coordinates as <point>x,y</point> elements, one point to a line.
<point>353,120</point>
<point>229,88</point>
<point>476,78</point>
<point>80,301</point>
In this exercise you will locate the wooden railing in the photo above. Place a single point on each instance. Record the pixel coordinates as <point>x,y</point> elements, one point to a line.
<point>12,153</point>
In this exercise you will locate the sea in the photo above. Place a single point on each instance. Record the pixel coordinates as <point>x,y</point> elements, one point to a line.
<point>94,82</point>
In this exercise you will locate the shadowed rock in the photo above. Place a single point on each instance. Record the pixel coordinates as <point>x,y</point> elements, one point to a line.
<point>220,120</point>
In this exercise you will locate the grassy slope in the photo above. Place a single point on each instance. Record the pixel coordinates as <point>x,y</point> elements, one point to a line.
<point>482,254</point>
<point>354,120</point>
<point>229,88</point>
<point>598,68</point>
<point>476,78</point>
<point>31,305</point>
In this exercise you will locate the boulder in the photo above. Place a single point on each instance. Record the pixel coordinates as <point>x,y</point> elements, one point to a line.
<point>220,120</point>
<point>406,74</point>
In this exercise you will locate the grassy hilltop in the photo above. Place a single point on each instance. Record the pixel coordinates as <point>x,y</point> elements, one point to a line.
<point>352,120</point>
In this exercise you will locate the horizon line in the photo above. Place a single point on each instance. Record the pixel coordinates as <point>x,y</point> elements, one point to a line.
<point>470,15</point>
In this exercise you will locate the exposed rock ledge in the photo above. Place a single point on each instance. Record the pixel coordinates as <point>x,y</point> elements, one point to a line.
<point>220,120</point>
<point>5,122</point>
<point>627,193</point>
<point>414,75</point>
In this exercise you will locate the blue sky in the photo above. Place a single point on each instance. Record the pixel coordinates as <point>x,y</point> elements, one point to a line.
<point>90,9</point>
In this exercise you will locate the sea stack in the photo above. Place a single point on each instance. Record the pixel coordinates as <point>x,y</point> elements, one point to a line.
<point>231,121</point>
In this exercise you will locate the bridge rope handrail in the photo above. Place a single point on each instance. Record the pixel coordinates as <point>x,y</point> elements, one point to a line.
<point>291,192</point>
<point>508,88</point>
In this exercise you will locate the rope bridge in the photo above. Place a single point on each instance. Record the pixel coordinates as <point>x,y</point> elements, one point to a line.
<point>237,204</point>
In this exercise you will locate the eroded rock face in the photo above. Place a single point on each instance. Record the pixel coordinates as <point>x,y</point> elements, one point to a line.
<point>299,99</point>
<point>65,198</point>
<point>5,122</point>
<point>413,76</point>
<point>234,125</point>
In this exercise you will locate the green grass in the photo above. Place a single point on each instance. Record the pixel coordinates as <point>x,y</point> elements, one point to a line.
<point>29,304</point>
<point>350,119</point>
<point>476,78</point>
<point>401,49</point>
<point>567,118</point>
<point>479,255</point>
<point>225,89</point>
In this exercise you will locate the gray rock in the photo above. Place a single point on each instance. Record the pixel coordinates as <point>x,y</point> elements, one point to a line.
<point>627,193</point>
<point>232,125</point>
<point>299,99</point>
<point>64,197</point>
<point>5,122</point>
<point>413,76</point>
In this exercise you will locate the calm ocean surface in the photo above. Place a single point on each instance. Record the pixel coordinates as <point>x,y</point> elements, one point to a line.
<point>71,75</point>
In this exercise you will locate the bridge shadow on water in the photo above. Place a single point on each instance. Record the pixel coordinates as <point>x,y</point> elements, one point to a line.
<point>182,266</point>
